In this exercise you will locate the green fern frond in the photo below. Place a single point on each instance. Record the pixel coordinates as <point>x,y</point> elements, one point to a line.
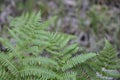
<point>40,61</point>
<point>77,60</point>
<point>69,76</point>
<point>4,60</point>
<point>70,49</point>
<point>106,62</point>
<point>41,73</point>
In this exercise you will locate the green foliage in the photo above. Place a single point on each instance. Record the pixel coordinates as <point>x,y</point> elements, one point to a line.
<point>105,64</point>
<point>38,54</point>
<point>108,60</point>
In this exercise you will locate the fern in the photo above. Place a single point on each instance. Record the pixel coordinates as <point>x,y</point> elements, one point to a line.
<point>108,60</point>
<point>38,54</point>
<point>76,60</point>
<point>105,64</point>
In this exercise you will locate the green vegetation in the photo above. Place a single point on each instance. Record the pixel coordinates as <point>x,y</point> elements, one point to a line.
<point>34,53</point>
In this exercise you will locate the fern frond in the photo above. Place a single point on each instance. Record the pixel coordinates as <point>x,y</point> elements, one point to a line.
<point>106,62</point>
<point>71,75</point>
<point>77,60</point>
<point>42,73</point>
<point>70,49</point>
<point>40,61</point>
<point>5,62</point>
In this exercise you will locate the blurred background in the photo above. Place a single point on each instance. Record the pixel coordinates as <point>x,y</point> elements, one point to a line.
<point>92,21</point>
